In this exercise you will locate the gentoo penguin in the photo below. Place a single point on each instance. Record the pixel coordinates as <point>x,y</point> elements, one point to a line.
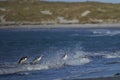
<point>37,59</point>
<point>65,56</point>
<point>22,60</point>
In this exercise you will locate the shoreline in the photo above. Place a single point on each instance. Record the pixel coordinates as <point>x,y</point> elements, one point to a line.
<point>57,26</point>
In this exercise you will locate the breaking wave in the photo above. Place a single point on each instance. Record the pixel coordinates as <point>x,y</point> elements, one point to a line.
<point>77,59</point>
<point>105,55</point>
<point>21,68</point>
<point>113,55</point>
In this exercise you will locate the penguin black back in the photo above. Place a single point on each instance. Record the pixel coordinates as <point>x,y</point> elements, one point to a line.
<point>22,60</point>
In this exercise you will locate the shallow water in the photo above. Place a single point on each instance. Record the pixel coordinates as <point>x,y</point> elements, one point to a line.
<point>91,53</point>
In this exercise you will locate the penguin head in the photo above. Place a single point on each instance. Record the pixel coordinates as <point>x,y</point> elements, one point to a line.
<point>26,57</point>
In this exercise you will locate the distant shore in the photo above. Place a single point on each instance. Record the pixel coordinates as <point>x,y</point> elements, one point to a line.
<point>111,25</point>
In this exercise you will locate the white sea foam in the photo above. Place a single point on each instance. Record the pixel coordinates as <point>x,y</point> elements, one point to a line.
<point>105,54</point>
<point>21,68</point>
<point>105,32</point>
<point>112,55</point>
<point>54,62</point>
<point>78,59</point>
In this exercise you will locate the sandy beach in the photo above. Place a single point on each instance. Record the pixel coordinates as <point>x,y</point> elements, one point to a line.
<point>117,25</point>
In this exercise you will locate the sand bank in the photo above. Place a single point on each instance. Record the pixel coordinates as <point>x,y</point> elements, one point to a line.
<point>64,26</point>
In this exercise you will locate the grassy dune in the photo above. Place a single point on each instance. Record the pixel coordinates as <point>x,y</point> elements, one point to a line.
<point>31,11</point>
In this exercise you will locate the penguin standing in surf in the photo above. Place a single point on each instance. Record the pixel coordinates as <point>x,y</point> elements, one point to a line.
<point>37,59</point>
<point>65,56</point>
<point>23,59</point>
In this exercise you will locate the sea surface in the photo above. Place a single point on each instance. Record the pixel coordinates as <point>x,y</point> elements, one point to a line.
<point>90,53</point>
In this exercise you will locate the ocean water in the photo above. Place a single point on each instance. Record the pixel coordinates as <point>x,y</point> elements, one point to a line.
<point>91,53</point>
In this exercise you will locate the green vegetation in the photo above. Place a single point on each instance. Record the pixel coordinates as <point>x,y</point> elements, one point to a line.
<point>32,11</point>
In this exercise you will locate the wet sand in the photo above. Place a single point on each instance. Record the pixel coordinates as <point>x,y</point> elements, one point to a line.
<point>63,26</point>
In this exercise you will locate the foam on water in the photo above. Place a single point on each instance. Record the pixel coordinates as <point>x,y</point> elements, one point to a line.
<point>104,54</point>
<point>53,62</point>
<point>78,61</point>
<point>112,55</point>
<point>79,57</point>
<point>105,32</point>
<point>22,68</point>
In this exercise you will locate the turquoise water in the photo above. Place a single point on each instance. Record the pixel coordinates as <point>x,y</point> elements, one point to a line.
<point>91,53</point>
